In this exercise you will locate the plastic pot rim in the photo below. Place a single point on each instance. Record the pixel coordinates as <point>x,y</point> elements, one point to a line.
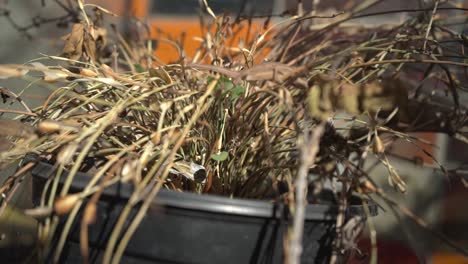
<point>208,202</point>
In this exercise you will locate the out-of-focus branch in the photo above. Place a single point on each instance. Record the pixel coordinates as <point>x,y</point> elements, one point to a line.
<point>309,150</point>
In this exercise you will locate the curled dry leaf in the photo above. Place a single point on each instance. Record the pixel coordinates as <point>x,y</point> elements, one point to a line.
<point>73,48</point>
<point>6,94</point>
<point>65,204</point>
<point>161,74</point>
<point>84,40</point>
<point>98,37</point>
<point>89,45</point>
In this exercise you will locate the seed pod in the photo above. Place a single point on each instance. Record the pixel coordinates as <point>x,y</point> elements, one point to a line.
<point>146,154</point>
<point>89,216</point>
<point>129,170</point>
<point>107,71</point>
<point>43,234</point>
<point>395,181</point>
<point>368,187</point>
<point>156,138</point>
<point>378,147</point>
<point>65,156</point>
<point>161,74</point>
<point>87,73</point>
<point>65,204</point>
<point>47,127</point>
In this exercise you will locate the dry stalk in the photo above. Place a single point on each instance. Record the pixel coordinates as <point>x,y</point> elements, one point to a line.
<point>309,150</point>
<point>429,26</point>
<point>113,113</point>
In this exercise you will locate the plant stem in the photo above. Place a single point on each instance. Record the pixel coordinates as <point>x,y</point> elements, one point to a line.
<point>309,152</point>
<point>371,63</point>
<point>149,199</point>
<point>95,179</point>
<point>429,26</point>
<point>203,105</point>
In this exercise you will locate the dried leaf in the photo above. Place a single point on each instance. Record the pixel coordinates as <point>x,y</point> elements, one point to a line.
<point>89,45</point>
<point>160,73</point>
<point>73,48</point>
<point>6,94</point>
<point>99,35</point>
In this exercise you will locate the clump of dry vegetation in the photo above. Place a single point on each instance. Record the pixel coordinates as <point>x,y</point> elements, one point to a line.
<point>295,105</point>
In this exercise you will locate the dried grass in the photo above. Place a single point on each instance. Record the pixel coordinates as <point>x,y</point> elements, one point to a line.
<point>239,115</point>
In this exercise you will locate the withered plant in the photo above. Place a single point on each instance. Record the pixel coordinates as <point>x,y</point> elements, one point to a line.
<point>276,116</point>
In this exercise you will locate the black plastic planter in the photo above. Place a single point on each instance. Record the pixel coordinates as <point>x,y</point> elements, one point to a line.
<point>191,228</point>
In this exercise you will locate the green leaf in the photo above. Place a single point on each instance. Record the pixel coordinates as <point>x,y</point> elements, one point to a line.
<point>225,84</point>
<point>139,68</point>
<point>221,156</point>
<point>236,92</point>
<point>228,85</point>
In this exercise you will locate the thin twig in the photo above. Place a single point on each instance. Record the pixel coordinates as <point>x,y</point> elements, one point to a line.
<point>309,151</point>
<point>429,26</point>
